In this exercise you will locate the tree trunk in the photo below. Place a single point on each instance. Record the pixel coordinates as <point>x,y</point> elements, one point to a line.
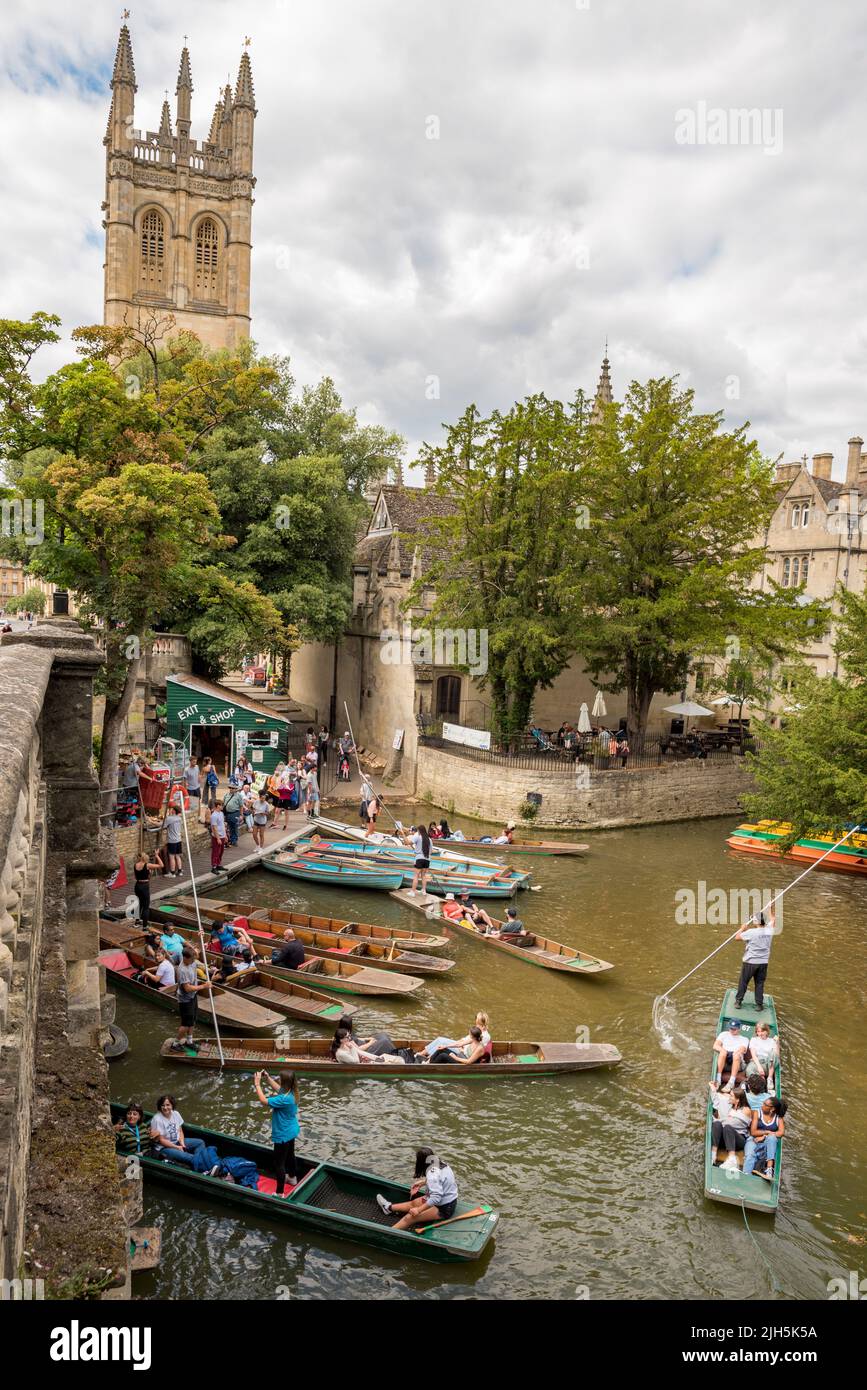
<point>639,694</point>
<point>113,721</point>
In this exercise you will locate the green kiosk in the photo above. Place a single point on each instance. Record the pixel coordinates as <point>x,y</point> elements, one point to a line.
<point>215,722</point>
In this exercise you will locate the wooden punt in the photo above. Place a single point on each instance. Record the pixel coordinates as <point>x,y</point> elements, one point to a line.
<point>544,847</point>
<point>343,875</point>
<point>499,885</point>
<point>731,1185</point>
<point>230,1009</point>
<point>550,955</point>
<point>766,837</point>
<point>452,866</point>
<point>329,945</point>
<point>331,1199</point>
<point>333,973</point>
<point>312,1057</point>
<point>183,910</point>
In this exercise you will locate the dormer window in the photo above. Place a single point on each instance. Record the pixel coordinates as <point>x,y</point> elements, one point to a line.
<point>381,520</point>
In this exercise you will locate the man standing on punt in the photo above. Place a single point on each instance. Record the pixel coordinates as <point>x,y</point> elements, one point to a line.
<point>755,962</point>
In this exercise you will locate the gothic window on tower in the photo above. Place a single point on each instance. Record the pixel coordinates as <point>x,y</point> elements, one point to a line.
<point>152,253</point>
<point>207,259</point>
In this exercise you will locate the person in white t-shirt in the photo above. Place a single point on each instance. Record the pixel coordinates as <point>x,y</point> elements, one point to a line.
<point>433,1195</point>
<point>730,1047</point>
<point>167,1133</point>
<point>162,974</point>
<point>764,1055</point>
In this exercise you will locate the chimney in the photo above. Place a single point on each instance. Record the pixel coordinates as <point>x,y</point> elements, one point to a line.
<point>787,471</point>
<point>822,464</point>
<point>853,463</point>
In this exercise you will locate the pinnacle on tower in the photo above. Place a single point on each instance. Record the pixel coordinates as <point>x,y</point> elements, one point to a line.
<point>214,133</point>
<point>604,393</point>
<point>124,67</point>
<point>430,473</point>
<point>166,123</point>
<point>185,76</point>
<point>244,86</point>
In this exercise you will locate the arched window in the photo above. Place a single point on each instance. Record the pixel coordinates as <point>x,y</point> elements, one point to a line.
<point>207,258</point>
<point>448,697</point>
<point>153,252</point>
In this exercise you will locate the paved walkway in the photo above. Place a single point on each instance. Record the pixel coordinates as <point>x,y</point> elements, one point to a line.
<point>236,858</point>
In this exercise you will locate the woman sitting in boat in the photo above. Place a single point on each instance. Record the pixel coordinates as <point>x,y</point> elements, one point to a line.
<point>455,1045</point>
<point>378,1044</point>
<point>434,831</point>
<point>476,916</point>
<point>437,1182</point>
<point>469,1054</point>
<point>445,830</point>
<point>730,1130</point>
<point>507,836</point>
<point>244,960</point>
<point>167,1133</point>
<point>345,1049</point>
<point>764,1055</point>
<point>131,1133</point>
<point>161,975</point>
<point>767,1129</point>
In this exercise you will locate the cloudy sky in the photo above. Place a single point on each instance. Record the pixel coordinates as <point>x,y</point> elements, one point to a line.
<point>560,202</point>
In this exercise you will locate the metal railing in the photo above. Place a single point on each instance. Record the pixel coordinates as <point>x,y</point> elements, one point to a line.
<point>650,751</point>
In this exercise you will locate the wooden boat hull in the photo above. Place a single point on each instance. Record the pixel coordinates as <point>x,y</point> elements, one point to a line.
<point>311,1057</point>
<point>452,867</point>
<point>182,909</point>
<point>542,847</point>
<point>545,953</point>
<point>765,837</point>
<point>316,870</point>
<point>229,1009</point>
<point>722,1185</point>
<point>330,1200</point>
<point>339,875</point>
<point>325,945</point>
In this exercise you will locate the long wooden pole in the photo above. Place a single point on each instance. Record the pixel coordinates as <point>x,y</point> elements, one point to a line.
<point>214,1020</point>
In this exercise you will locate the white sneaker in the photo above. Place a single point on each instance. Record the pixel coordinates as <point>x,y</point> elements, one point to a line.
<point>382,1203</point>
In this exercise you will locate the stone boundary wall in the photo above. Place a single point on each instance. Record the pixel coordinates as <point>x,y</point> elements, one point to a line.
<point>60,1196</point>
<point>494,792</point>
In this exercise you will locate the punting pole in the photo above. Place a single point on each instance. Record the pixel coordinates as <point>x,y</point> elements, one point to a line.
<point>776,898</point>
<point>202,936</point>
<point>358,765</point>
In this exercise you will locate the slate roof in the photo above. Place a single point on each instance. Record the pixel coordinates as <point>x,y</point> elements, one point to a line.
<point>410,510</point>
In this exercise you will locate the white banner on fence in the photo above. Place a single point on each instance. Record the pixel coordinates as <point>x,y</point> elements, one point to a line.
<point>474,738</point>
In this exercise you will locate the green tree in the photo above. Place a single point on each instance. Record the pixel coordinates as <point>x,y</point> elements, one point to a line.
<point>666,566</point>
<point>129,526</point>
<point>511,483</point>
<point>812,772</point>
<point>31,601</point>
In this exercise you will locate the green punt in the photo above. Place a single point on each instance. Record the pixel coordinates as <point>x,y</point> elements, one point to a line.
<point>723,1185</point>
<point>330,1200</point>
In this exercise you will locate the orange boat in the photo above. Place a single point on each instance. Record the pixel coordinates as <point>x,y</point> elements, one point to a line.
<point>766,836</point>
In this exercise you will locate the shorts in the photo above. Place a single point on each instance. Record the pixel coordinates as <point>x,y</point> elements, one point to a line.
<point>422,863</point>
<point>194,791</point>
<point>189,1009</point>
<point>174,847</point>
<point>445,1213</point>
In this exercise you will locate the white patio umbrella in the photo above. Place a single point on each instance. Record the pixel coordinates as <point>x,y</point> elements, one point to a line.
<point>584,725</point>
<point>599,710</point>
<point>688,709</point>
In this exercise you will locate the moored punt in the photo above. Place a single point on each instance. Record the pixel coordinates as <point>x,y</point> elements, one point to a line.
<point>277,919</point>
<point>321,870</point>
<point>733,1185</point>
<point>766,837</point>
<point>229,1008</point>
<point>550,955</point>
<point>330,1199</point>
<point>544,847</point>
<point>442,865</point>
<point>337,974</point>
<point>500,883</point>
<point>312,1056</point>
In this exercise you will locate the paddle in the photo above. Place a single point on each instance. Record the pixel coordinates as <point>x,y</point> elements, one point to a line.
<point>464,1216</point>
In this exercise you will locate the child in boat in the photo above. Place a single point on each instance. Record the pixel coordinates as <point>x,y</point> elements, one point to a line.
<point>730,1130</point>
<point>766,1130</point>
<point>764,1055</point>
<point>435,1180</point>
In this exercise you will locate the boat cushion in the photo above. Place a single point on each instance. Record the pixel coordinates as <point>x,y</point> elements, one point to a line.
<point>527,1057</point>
<point>119,961</point>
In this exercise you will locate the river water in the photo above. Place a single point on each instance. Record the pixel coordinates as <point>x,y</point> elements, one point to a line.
<point>598,1176</point>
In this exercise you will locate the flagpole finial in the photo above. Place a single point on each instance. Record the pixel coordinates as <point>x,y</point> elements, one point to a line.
<point>125,15</point>
<point>247,41</point>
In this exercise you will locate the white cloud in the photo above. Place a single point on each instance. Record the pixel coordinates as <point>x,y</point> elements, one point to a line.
<point>554,209</point>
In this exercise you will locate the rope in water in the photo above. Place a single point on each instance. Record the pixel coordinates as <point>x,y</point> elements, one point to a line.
<point>775,1285</point>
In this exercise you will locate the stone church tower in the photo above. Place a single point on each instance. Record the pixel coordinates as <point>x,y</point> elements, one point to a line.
<point>178,212</point>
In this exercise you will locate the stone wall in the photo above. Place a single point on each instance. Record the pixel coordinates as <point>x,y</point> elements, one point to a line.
<point>59,1192</point>
<point>495,792</point>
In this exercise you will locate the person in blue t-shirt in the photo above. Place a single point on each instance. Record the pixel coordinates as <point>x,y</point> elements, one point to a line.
<point>283,1104</point>
<point>173,945</point>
